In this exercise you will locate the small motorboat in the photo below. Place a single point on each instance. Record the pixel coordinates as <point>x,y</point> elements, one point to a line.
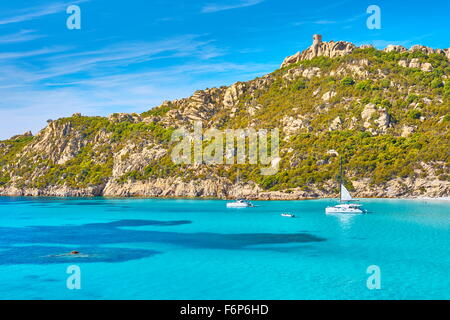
<point>288,215</point>
<point>240,203</point>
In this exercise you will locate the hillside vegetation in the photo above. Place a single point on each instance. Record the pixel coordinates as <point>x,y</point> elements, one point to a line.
<point>386,113</point>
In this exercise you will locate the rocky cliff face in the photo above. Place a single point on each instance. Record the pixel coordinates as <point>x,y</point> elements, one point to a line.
<point>318,48</point>
<point>386,111</point>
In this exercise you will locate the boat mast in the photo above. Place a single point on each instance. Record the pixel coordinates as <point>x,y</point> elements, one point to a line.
<point>340,179</point>
<point>238,180</point>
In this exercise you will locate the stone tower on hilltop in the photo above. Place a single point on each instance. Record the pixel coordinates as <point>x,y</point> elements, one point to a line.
<point>317,39</point>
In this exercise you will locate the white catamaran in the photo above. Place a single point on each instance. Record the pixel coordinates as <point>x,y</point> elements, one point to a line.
<point>345,199</point>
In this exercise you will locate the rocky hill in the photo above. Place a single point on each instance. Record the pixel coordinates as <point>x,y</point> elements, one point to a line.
<point>386,111</point>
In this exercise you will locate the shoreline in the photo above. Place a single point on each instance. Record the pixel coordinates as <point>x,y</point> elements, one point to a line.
<point>421,198</point>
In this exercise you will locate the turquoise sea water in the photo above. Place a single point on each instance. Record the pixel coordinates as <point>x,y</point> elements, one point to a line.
<point>188,249</point>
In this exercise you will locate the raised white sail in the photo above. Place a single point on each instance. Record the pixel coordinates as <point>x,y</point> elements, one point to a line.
<point>345,195</point>
<point>346,205</point>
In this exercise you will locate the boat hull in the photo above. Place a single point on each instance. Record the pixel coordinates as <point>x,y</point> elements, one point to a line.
<point>332,210</point>
<point>238,205</point>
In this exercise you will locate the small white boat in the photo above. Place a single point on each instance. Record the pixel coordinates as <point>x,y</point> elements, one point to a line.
<point>240,203</point>
<point>288,215</point>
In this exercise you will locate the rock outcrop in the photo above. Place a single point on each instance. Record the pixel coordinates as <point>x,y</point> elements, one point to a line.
<point>376,120</point>
<point>415,63</point>
<point>394,48</point>
<point>318,48</point>
<point>333,49</point>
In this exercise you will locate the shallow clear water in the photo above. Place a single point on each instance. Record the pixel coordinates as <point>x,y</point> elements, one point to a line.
<point>187,249</point>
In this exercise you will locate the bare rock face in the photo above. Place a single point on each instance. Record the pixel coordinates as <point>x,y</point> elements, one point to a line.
<point>59,141</point>
<point>406,131</point>
<point>292,125</point>
<point>380,118</point>
<point>427,67</point>
<point>170,187</point>
<point>403,63</point>
<point>423,49</point>
<point>26,134</point>
<point>202,105</point>
<point>53,191</point>
<point>428,50</point>
<point>394,48</point>
<point>383,120</point>
<point>318,48</point>
<point>328,95</point>
<point>447,53</point>
<point>357,68</point>
<point>123,117</point>
<point>231,97</point>
<point>301,71</point>
<point>415,63</point>
<point>336,124</point>
<point>131,158</point>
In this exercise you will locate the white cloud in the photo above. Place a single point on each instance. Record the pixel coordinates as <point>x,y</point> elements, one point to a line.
<point>36,12</point>
<point>209,8</point>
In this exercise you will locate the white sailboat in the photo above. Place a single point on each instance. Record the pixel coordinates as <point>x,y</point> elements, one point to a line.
<point>346,201</point>
<point>345,205</point>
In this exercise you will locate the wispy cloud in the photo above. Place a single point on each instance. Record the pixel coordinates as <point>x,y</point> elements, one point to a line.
<point>36,12</point>
<point>27,107</point>
<point>324,22</point>
<point>21,36</point>
<point>32,53</point>
<point>125,54</point>
<point>332,5</point>
<point>215,7</point>
<point>314,20</point>
<point>121,77</point>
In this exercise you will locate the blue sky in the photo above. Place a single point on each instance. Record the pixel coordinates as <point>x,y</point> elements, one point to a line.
<point>131,55</point>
